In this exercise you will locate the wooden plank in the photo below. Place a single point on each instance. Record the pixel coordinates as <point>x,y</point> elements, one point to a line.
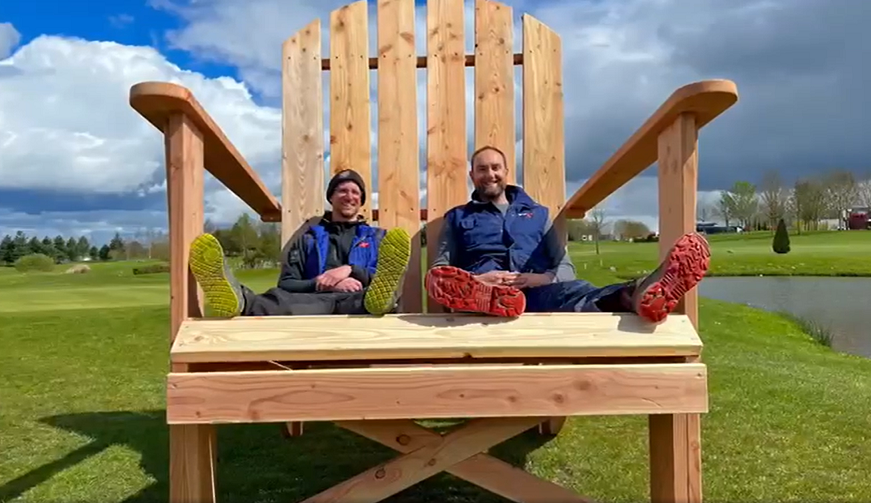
<point>494,80</point>
<point>350,125</point>
<point>377,217</point>
<point>544,171</point>
<point>446,118</point>
<point>543,117</point>
<point>335,337</point>
<point>302,139</point>
<point>191,447</point>
<point>398,165</point>
<point>435,392</point>
<point>185,186</point>
<point>421,61</point>
<point>678,184</point>
<point>675,439</point>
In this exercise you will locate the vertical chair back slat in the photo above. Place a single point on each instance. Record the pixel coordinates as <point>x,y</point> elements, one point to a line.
<point>398,146</point>
<point>543,116</point>
<point>446,117</point>
<point>350,135</point>
<point>494,80</point>
<point>302,160</point>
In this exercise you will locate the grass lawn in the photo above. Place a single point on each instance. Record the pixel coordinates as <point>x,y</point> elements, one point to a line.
<point>82,408</point>
<point>825,253</point>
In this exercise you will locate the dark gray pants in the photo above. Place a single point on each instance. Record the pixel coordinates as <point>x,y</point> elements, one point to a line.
<point>278,302</point>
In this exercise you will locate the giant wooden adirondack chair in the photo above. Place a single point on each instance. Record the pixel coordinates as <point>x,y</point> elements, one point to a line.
<point>506,375</point>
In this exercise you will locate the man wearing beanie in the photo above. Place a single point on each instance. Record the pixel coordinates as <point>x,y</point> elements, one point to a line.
<point>341,265</point>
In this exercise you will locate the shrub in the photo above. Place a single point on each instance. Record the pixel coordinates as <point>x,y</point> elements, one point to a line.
<point>35,262</point>
<point>780,244</point>
<point>151,269</point>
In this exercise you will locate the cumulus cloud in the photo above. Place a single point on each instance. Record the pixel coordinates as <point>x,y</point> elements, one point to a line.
<point>9,38</point>
<point>66,125</point>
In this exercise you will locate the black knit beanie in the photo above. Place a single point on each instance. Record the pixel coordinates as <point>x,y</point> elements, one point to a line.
<point>345,176</point>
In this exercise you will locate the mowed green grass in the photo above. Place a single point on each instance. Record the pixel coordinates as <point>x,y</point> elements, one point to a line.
<point>827,253</point>
<point>82,411</point>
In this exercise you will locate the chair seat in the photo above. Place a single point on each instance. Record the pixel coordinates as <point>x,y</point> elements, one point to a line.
<point>432,336</point>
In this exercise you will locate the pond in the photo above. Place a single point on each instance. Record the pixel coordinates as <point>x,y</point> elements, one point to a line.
<point>841,304</point>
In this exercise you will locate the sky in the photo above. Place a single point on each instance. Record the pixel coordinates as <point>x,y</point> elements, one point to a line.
<point>76,159</point>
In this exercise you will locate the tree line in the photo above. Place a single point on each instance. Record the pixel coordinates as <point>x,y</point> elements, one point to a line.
<point>802,205</point>
<point>257,244</point>
<point>72,249</point>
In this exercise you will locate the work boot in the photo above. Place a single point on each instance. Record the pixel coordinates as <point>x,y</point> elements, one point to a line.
<point>457,289</point>
<point>222,291</point>
<point>384,291</point>
<point>656,295</point>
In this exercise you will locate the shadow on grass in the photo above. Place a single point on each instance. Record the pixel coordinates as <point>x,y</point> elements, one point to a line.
<point>255,462</point>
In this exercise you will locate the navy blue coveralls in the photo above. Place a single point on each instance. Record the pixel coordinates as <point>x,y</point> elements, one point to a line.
<point>481,237</point>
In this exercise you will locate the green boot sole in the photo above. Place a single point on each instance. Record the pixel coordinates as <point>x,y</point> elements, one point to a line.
<point>393,256</point>
<point>223,294</point>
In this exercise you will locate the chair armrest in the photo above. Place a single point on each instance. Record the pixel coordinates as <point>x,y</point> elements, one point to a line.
<point>705,100</point>
<point>157,101</point>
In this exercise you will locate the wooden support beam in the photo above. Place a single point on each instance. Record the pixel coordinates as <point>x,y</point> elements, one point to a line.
<point>386,479</point>
<point>485,471</point>
<point>421,61</point>
<point>434,392</point>
<point>191,447</point>
<point>675,439</point>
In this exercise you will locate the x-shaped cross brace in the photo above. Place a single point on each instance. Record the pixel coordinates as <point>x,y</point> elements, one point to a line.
<point>427,453</point>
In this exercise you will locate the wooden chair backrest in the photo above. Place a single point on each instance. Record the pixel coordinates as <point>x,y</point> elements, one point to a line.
<point>398,168</point>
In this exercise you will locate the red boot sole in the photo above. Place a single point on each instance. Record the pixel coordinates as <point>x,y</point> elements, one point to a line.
<point>685,266</point>
<point>457,289</point>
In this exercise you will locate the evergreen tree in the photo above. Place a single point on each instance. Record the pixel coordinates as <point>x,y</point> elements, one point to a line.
<point>20,246</point>
<point>780,244</point>
<point>117,244</point>
<point>34,246</point>
<point>83,248</point>
<point>7,249</point>
<point>72,249</point>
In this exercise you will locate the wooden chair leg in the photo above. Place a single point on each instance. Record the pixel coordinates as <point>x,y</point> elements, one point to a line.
<point>292,429</point>
<point>192,463</point>
<point>552,426</point>
<point>675,458</point>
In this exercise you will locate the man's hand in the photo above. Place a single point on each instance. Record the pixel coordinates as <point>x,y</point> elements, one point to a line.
<point>497,278</point>
<point>331,278</point>
<point>530,280</point>
<point>348,285</point>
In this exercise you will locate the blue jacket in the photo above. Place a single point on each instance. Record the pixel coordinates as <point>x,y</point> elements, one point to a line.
<point>326,245</point>
<point>363,252</point>
<point>486,240</point>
